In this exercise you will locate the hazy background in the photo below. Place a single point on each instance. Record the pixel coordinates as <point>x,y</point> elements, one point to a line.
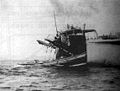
<point>22,22</point>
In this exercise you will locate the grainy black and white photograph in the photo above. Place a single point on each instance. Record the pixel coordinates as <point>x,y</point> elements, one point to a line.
<point>59,45</point>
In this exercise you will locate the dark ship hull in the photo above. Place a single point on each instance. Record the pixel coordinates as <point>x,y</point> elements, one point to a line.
<point>70,47</point>
<point>73,61</point>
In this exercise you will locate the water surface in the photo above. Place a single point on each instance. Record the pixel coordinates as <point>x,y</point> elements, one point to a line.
<point>86,78</point>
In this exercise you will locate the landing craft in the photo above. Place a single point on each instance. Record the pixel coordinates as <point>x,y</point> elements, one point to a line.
<point>70,46</point>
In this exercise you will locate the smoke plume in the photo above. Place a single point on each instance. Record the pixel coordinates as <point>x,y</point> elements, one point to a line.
<point>103,15</point>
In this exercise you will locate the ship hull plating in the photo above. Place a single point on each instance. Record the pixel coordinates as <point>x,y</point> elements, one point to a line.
<point>74,61</point>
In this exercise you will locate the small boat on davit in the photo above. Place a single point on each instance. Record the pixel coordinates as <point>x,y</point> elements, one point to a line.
<point>70,46</point>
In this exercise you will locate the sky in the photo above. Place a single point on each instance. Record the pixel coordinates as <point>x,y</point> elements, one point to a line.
<point>22,22</point>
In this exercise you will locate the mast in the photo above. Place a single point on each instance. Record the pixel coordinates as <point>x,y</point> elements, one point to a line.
<point>55,24</point>
<point>83,31</point>
<point>84,26</point>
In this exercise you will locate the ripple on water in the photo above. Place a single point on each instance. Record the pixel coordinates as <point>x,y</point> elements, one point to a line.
<point>36,78</point>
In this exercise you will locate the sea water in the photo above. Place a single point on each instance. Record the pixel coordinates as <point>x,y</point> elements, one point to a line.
<point>86,78</point>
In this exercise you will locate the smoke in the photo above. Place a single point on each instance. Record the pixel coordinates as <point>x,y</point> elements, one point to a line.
<point>103,15</point>
<point>75,8</point>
